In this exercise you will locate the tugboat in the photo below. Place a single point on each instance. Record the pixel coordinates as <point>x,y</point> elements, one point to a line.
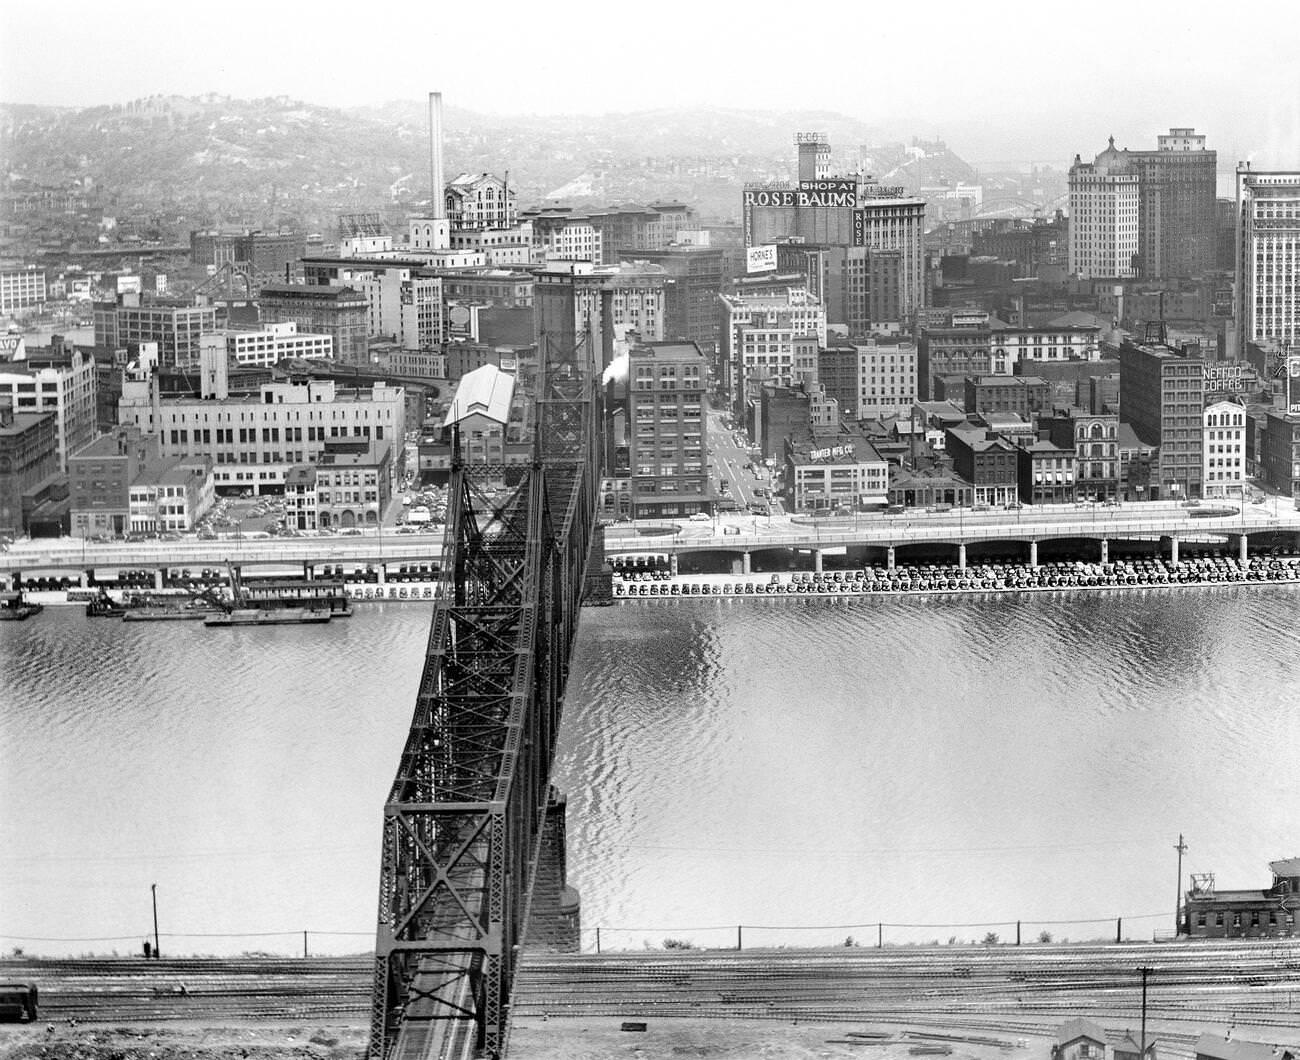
<point>13,608</point>
<point>104,606</point>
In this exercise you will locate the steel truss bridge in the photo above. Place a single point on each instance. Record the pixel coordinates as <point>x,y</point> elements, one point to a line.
<point>463,820</point>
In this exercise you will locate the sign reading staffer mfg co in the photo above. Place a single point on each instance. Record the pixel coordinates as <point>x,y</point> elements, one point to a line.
<point>834,452</point>
<point>760,259</point>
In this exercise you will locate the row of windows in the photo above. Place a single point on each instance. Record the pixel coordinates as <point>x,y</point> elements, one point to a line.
<point>1257,919</point>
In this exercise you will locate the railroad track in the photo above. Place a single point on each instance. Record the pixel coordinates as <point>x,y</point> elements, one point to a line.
<point>105,990</point>
<point>1009,990</point>
<point>1023,991</point>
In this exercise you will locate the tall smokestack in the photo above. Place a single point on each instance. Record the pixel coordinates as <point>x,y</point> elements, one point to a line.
<point>436,182</point>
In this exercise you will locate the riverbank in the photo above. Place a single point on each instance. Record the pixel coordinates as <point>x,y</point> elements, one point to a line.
<point>951,578</point>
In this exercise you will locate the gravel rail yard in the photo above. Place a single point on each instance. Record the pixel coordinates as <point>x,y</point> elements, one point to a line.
<point>965,1002</point>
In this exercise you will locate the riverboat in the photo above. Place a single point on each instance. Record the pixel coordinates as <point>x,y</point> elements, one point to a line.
<point>247,609</point>
<point>104,606</point>
<point>321,595</point>
<point>13,608</point>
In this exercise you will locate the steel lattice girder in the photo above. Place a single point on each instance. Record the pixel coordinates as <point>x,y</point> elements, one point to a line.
<point>463,821</point>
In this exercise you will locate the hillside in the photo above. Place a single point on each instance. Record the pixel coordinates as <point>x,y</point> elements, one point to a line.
<point>264,161</point>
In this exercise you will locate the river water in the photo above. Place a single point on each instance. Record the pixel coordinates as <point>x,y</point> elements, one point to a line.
<point>804,767</point>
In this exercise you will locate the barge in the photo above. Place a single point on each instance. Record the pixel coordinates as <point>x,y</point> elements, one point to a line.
<point>275,616</point>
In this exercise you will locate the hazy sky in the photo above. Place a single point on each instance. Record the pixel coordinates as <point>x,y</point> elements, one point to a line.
<point>996,78</point>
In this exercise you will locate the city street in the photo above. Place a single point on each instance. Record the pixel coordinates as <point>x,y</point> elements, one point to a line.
<point>728,460</point>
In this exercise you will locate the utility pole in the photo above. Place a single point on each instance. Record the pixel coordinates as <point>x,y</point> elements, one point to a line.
<point>1142,1043</point>
<point>153,890</point>
<point>1178,896</point>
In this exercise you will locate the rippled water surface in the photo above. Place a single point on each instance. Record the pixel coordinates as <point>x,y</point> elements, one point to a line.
<point>772,763</point>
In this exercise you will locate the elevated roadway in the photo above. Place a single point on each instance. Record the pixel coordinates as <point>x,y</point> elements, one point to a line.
<point>1220,523</point>
<point>71,557</point>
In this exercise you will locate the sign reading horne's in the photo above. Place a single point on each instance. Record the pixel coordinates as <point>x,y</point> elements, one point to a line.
<point>760,259</point>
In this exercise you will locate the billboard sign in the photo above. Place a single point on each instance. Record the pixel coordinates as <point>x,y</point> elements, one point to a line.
<point>786,198</point>
<point>837,185</point>
<point>10,345</point>
<point>760,259</point>
<point>1293,384</point>
<point>859,228</point>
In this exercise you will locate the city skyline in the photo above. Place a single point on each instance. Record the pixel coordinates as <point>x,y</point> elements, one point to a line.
<point>1081,80</point>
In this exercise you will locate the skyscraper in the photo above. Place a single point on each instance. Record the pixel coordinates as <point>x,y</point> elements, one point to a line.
<point>1104,239</point>
<point>1268,255</point>
<point>1176,205</point>
<point>1144,213</point>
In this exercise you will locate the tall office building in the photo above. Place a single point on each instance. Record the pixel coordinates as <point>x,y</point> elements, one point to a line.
<point>1268,255</point>
<point>172,323</point>
<point>691,296</point>
<point>1104,196</point>
<point>62,385</point>
<point>1162,396</point>
<point>769,339</point>
<point>666,431</point>
<point>1176,219</point>
<point>1145,213</point>
<point>403,296</point>
<point>339,312</point>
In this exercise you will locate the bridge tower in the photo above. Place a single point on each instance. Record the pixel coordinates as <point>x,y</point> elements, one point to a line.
<point>464,819</point>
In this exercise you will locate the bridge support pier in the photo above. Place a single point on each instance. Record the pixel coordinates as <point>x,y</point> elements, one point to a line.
<point>382,572</point>
<point>158,579</point>
<point>890,557</point>
<point>745,566</point>
<point>554,923</point>
<point>1173,549</point>
<point>308,571</point>
<point>1243,548</point>
<point>672,564</point>
<point>1105,550</point>
<point>1033,553</point>
<point>83,579</point>
<point>961,556</point>
<point>817,560</point>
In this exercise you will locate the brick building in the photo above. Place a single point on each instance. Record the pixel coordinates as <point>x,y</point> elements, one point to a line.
<point>1162,394</point>
<point>29,454</point>
<point>988,462</point>
<point>321,309</point>
<point>666,430</point>
<point>1269,912</point>
<point>1025,395</point>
